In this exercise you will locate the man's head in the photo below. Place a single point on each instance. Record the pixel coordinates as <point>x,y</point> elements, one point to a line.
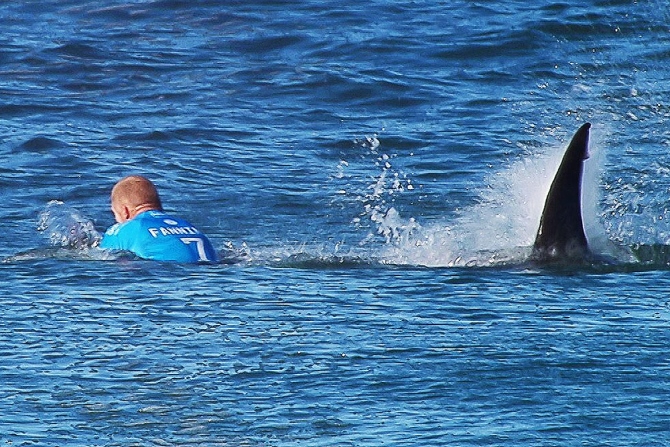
<point>132,195</point>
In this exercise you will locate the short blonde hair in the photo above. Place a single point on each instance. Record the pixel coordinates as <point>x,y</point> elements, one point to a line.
<point>136,191</point>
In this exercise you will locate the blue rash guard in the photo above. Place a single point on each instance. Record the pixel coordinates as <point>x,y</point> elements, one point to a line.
<point>161,237</point>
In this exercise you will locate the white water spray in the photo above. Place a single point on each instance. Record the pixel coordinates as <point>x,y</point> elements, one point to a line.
<point>66,227</point>
<point>501,227</point>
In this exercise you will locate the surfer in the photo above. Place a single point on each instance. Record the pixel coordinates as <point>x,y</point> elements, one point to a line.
<point>143,228</point>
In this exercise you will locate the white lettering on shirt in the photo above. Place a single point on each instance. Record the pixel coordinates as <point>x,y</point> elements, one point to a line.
<point>168,231</point>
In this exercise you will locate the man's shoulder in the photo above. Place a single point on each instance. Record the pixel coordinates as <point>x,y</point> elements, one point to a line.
<point>160,217</point>
<point>114,229</point>
<point>151,214</point>
<point>118,236</point>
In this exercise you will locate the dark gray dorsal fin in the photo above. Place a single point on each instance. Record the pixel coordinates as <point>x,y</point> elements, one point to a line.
<point>561,232</point>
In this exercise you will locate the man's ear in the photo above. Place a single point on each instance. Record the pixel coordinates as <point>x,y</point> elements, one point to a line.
<point>126,213</point>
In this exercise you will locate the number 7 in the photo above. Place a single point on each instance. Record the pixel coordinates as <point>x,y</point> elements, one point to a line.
<point>199,243</point>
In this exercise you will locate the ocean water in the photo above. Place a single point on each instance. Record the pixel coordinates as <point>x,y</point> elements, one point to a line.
<point>373,175</point>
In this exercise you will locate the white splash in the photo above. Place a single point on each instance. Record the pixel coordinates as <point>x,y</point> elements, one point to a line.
<point>66,227</point>
<point>501,227</point>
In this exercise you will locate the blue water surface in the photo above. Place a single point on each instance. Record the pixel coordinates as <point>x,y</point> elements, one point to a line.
<point>373,174</point>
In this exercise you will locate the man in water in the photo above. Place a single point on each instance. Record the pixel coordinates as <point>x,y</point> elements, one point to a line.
<point>145,230</point>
